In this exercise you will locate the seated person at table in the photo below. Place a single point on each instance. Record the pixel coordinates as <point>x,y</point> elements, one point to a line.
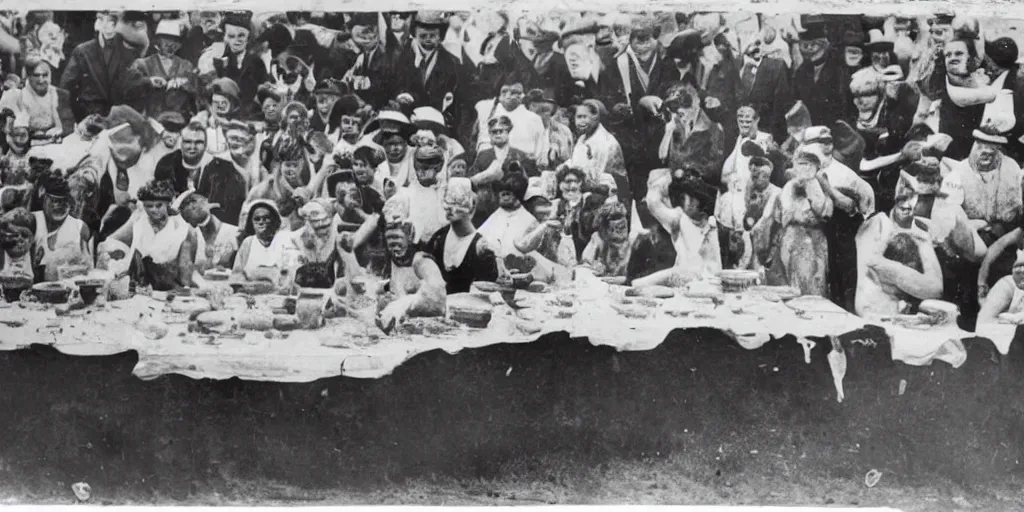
<point>683,204</point>
<point>608,251</point>
<point>320,262</point>
<point>896,262</point>
<point>1006,297</point>
<point>61,238</point>
<point>543,239</point>
<point>286,185</point>
<point>357,205</point>
<point>652,251</point>
<point>511,220</point>
<point>461,253</point>
<point>417,285</point>
<point>216,241</point>
<point>17,233</point>
<point>261,253</point>
<point>161,246</point>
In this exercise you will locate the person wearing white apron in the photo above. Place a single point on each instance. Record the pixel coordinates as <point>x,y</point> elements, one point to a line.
<point>216,241</point>
<point>62,239</point>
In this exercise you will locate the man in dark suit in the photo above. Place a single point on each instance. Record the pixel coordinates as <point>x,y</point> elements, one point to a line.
<point>764,84</point>
<point>97,74</point>
<point>820,81</point>
<point>426,71</point>
<point>191,167</point>
<point>492,163</point>
<point>370,73</point>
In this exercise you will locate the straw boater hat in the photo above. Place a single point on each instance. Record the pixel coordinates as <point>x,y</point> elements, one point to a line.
<point>392,122</point>
<point>986,134</point>
<point>430,119</point>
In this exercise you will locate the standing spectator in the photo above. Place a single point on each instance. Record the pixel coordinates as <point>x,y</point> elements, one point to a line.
<point>97,74</point>
<point>425,71</point>
<point>764,84</point>
<point>48,107</point>
<point>169,81</point>
<point>820,81</point>
<point>231,59</point>
<point>202,35</point>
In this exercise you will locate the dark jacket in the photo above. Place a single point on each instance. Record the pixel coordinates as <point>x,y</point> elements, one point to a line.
<point>218,181</point>
<point>443,79</point>
<point>90,78</point>
<point>828,97</point>
<point>487,199</point>
<point>249,77</point>
<point>771,96</point>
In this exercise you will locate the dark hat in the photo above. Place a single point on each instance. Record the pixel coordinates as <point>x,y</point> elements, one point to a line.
<point>760,161</point>
<point>686,44</point>
<point>515,182</point>
<point>328,87</point>
<point>57,186</point>
<point>694,185</point>
<point>848,143</point>
<point>924,166</point>
<point>373,156</point>
<point>342,175</point>
<point>1002,51</point>
<point>540,96</point>
<point>502,121</point>
<point>363,19</point>
<point>854,37</point>
<point>135,16</point>
<point>172,121</point>
<point>239,19</point>
<point>39,165</point>
<point>347,105</point>
<point>429,19</point>
<point>941,19</point>
<point>268,90</point>
<point>580,28</point>
<point>429,155</point>
<point>751,149</point>
<point>277,37</point>
<point>225,87</point>
<point>813,32</point>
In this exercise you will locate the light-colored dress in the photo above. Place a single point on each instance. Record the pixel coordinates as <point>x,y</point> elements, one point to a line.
<point>800,258</point>
<point>67,245</point>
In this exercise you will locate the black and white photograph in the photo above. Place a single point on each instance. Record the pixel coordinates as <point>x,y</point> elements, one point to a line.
<point>504,255</point>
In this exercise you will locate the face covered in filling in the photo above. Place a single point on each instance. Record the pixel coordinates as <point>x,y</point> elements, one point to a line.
<point>220,105</point>
<point>347,193</point>
<point>57,208</point>
<point>814,50</point>
<point>399,240</point>
<point>511,96</point>
<point>986,156</point>
<point>760,176</point>
<point>867,103</point>
<point>1018,275</point>
<point>365,37</point>
<point>458,204</point>
<point>291,171</point>
<point>853,55</point>
<point>241,144</point>
<point>15,240</point>
<point>350,126</point>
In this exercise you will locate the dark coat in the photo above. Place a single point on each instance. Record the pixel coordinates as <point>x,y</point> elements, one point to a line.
<point>181,100</point>
<point>828,98</point>
<point>249,77</point>
<point>378,69</point>
<point>443,79</point>
<point>487,199</point>
<point>771,96</point>
<point>90,79</point>
<point>218,181</point>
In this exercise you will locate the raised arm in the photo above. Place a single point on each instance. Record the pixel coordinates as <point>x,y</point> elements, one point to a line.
<point>998,247</point>
<point>430,299</point>
<point>921,285</point>
<point>657,200</point>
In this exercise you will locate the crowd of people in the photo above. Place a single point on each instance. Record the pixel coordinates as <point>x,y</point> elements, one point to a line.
<point>870,160</point>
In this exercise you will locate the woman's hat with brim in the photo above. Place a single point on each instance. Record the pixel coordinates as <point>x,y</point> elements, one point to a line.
<point>268,90</point>
<point>686,44</point>
<point>854,37</point>
<point>241,19</point>
<point>392,122</point>
<point>172,121</point>
<point>817,135</point>
<point>848,142</point>
<point>579,31</point>
<point>135,17</point>
<point>984,135</point>
<point>878,43</point>
<point>429,155</point>
<point>339,176</point>
<point>329,87</point>
<point>431,119</point>
<point>546,95</point>
<point>226,87</point>
<point>1002,51</point>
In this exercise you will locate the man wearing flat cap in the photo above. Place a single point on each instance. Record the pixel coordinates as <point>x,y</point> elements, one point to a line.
<point>97,74</point>
<point>62,239</point>
<point>426,72</point>
<point>820,81</point>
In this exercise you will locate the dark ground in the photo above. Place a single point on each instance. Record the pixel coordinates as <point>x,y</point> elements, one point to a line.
<point>696,420</point>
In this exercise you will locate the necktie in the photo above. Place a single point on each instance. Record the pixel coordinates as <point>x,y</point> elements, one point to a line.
<point>747,78</point>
